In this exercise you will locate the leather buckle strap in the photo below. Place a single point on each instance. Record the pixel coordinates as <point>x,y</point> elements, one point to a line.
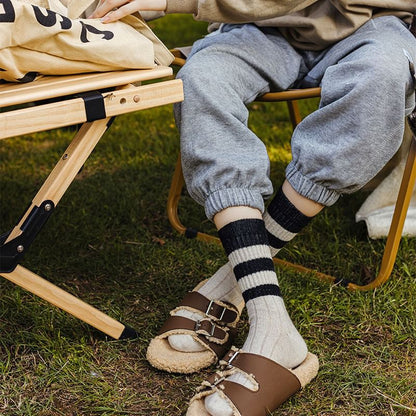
<point>273,384</point>
<point>211,310</point>
<point>199,324</point>
<point>208,328</point>
<point>203,328</point>
<point>218,381</point>
<point>219,342</point>
<point>216,310</point>
<point>221,313</point>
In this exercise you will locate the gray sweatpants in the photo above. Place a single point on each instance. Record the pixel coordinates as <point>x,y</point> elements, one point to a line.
<point>367,90</point>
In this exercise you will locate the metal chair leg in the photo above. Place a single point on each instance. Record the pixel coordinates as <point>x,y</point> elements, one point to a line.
<point>397,224</point>
<point>393,239</point>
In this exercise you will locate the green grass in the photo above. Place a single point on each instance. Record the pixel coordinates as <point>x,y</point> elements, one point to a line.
<point>109,242</point>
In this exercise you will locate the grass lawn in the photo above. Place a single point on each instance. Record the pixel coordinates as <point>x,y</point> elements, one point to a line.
<point>109,242</point>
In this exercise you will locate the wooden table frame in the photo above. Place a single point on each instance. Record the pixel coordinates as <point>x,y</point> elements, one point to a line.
<point>123,94</point>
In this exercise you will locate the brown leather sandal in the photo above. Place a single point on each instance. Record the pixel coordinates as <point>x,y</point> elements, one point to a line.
<point>273,383</point>
<point>215,332</point>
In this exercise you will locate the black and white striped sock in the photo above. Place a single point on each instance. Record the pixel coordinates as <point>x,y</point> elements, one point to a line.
<point>283,221</point>
<point>247,247</point>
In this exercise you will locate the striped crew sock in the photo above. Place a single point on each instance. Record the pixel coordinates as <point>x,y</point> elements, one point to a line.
<point>272,333</point>
<point>283,221</point>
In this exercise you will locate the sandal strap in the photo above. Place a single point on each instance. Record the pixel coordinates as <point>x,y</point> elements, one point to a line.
<point>214,337</point>
<point>218,311</point>
<point>275,384</point>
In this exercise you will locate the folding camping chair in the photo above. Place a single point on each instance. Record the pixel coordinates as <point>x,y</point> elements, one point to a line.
<point>401,207</point>
<point>93,100</point>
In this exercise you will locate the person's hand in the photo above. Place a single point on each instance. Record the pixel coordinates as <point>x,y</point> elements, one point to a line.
<point>112,10</point>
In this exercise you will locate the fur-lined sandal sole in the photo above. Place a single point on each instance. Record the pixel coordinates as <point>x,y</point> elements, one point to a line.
<point>273,383</point>
<point>215,332</point>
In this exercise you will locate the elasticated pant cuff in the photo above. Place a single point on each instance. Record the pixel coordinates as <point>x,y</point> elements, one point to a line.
<point>309,189</point>
<point>233,197</point>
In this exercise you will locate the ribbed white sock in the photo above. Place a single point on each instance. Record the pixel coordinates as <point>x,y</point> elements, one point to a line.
<point>272,333</point>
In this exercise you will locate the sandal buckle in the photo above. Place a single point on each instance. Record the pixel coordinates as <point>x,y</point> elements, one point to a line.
<point>220,380</point>
<point>212,302</point>
<point>232,358</point>
<point>222,313</point>
<point>198,325</point>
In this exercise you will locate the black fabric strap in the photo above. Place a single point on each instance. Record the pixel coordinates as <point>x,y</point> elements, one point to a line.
<point>94,105</point>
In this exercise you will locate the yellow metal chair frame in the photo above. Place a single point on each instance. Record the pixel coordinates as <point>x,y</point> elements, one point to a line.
<point>399,216</point>
<point>102,96</point>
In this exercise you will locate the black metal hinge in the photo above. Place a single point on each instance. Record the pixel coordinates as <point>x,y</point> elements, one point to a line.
<point>12,252</point>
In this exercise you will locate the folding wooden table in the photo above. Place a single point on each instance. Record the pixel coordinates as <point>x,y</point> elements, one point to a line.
<point>92,100</point>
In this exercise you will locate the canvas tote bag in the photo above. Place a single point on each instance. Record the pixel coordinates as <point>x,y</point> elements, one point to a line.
<point>49,37</point>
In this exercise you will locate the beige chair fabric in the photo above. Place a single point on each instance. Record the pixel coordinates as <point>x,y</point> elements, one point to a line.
<point>48,37</point>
